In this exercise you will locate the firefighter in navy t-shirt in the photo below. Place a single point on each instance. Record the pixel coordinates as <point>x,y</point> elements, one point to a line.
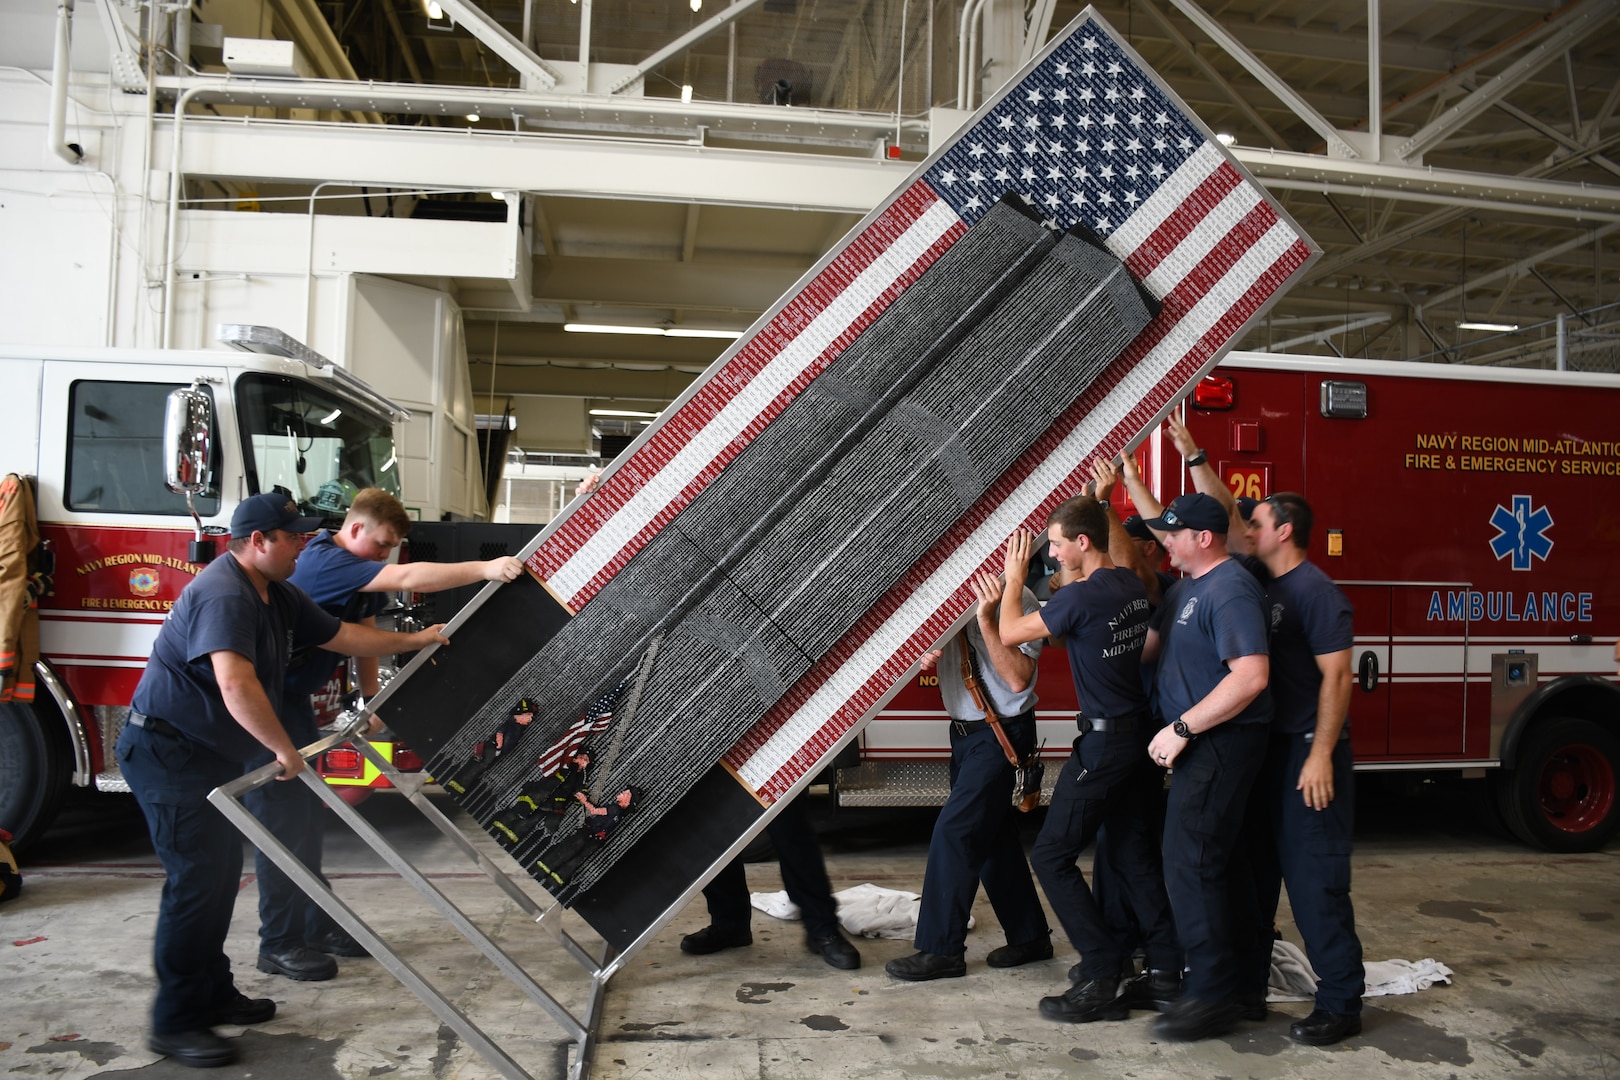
<point>1212,647</point>
<point>207,702</point>
<point>1302,810</point>
<point>1102,617</point>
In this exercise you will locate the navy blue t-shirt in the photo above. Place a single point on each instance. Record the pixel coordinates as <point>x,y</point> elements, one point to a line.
<point>1103,620</point>
<point>221,610</point>
<point>1204,622</point>
<point>1310,617</point>
<point>333,578</point>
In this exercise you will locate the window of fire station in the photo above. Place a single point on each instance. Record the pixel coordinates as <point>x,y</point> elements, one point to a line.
<point>115,451</point>
<point>310,444</point>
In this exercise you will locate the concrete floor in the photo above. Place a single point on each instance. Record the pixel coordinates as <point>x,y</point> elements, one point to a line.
<point>1533,939</point>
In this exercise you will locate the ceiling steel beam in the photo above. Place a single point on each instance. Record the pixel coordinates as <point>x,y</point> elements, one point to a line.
<point>1267,78</point>
<point>1527,263</point>
<point>535,72</point>
<point>1556,136</point>
<point>1214,75</point>
<point>1576,25</point>
<point>685,41</point>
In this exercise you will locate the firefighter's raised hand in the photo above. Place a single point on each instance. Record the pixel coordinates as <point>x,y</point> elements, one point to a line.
<point>1186,445</point>
<point>930,659</point>
<point>1105,478</point>
<point>1020,547</point>
<point>988,589</point>
<point>505,568</point>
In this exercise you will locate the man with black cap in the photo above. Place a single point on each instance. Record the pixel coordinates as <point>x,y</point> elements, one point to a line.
<point>207,701</point>
<point>1210,638</point>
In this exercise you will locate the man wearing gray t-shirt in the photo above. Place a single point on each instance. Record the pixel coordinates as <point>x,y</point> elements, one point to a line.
<point>976,836</point>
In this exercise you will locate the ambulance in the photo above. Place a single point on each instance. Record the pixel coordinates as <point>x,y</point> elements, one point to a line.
<point>87,427</point>
<point>1472,516</point>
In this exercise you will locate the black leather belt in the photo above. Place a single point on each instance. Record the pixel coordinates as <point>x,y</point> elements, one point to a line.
<point>154,725</point>
<point>1121,724</point>
<point>968,727</point>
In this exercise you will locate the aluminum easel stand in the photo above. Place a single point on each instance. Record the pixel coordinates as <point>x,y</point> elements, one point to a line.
<point>582,1030</point>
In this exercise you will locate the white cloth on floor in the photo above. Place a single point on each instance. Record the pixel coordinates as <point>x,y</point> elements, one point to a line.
<point>1292,978</point>
<point>865,910</point>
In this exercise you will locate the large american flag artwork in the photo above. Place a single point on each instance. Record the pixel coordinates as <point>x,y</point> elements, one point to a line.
<point>1086,134</point>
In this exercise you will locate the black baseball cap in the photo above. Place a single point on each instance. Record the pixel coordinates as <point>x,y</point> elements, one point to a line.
<point>268,511</point>
<point>1246,505</point>
<point>1138,529</point>
<point>1193,511</point>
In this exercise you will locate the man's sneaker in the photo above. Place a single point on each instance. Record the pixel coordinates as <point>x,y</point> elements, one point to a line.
<point>922,966</point>
<point>1084,1002</point>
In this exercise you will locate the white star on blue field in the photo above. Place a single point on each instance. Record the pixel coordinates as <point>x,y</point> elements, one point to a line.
<point>1085,137</point>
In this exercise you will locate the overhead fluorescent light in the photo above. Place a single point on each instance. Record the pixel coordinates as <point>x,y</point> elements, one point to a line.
<point>651,331</point>
<point>631,414</point>
<point>689,331</point>
<point>1225,138</point>
<point>603,328</point>
<point>686,94</point>
<point>473,118</point>
<point>434,11</point>
<point>1498,327</point>
<point>331,416</point>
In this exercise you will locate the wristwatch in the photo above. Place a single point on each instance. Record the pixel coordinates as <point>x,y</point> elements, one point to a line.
<point>1183,731</point>
<point>1197,459</point>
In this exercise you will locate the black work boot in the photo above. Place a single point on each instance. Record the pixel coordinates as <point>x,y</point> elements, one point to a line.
<point>1154,989</point>
<point>1084,1002</point>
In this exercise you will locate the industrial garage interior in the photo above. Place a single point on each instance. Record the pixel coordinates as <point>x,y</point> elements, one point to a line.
<point>533,225</point>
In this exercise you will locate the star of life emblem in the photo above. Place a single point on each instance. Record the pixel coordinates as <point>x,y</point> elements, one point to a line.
<point>1521,532</point>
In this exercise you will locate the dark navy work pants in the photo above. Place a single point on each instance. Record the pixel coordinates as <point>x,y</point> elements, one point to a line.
<point>293,813</point>
<point>1107,779</point>
<point>804,876</point>
<point>201,853</point>
<point>1309,850</point>
<point>976,840</point>
<point>1213,901</point>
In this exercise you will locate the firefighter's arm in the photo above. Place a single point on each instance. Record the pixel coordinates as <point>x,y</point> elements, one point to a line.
<point>244,696</point>
<point>1245,677</point>
<point>1121,548</point>
<point>1332,709</point>
<point>370,678</point>
<point>1013,626</point>
<point>1016,669</point>
<point>436,577</point>
<point>1208,481</point>
<point>352,639</point>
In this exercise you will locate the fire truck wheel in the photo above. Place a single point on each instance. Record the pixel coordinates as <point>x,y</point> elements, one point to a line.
<point>33,772</point>
<point>1561,795</point>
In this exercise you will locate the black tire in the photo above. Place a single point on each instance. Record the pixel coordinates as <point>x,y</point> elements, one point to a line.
<point>34,771</point>
<point>1562,793</point>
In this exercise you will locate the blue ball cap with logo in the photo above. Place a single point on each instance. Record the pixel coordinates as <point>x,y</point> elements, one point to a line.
<point>268,511</point>
<point>1193,511</point>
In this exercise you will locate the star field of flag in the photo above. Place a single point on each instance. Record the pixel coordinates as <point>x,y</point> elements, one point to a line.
<point>1086,137</point>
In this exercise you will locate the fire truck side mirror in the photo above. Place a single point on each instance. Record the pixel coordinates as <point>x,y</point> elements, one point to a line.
<point>187,430</point>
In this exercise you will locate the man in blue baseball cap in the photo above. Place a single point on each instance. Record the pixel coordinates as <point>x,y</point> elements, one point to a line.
<point>1211,639</point>
<point>208,701</point>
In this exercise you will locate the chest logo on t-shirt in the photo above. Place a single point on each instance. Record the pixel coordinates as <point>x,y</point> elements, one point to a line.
<point>1187,611</point>
<point>1276,616</point>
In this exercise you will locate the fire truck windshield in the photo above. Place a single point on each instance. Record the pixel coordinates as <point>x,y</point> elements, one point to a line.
<point>320,448</point>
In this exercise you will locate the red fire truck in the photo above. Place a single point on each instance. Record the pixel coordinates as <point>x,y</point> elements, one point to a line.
<point>1471,514</point>
<point>88,427</point>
